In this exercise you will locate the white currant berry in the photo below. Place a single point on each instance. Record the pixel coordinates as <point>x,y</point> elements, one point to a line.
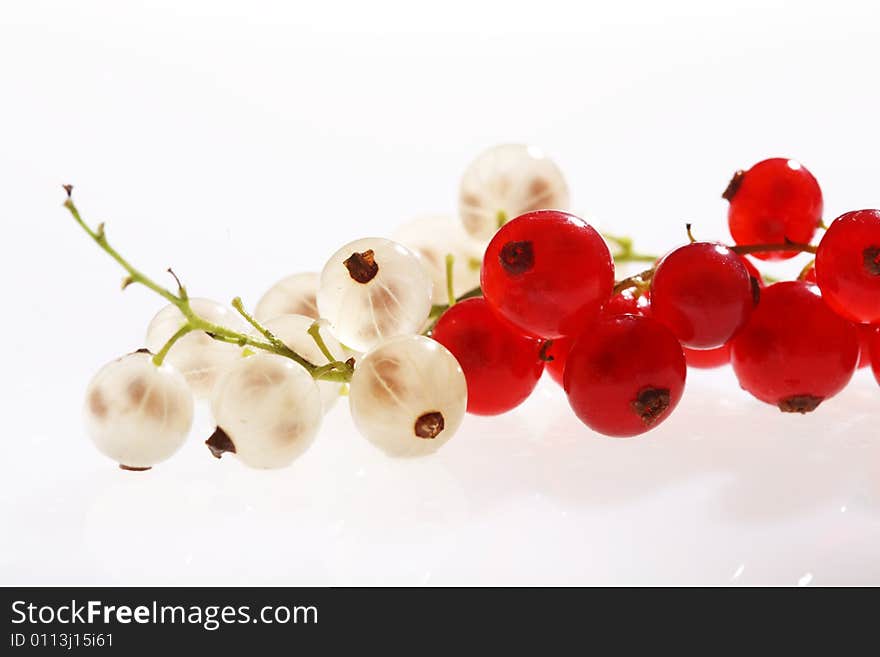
<point>372,289</point>
<point>293,330</point>
<point>197,356</point>
<point>506,181</point>
<point>136,413</point>
<point>267,409</point>
<point>293,295</point>
<point>408,395</point>
<point>432,238</point>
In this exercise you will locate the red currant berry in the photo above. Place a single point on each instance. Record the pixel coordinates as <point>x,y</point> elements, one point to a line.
<point>848,266</point>
<point>624,375</point>
<point>627,302</point>
<point>775,200</point>
<point>794,352</point>
<point>500,364</point>
<point>558,354</point>
<point>874,351</point>
<point>865,330</point>
<point>753,272</point>
<point>867,335</point>
<point>706,359</point>
<point>703,293</point>
<point>547,272</point>
<point>630,301</point>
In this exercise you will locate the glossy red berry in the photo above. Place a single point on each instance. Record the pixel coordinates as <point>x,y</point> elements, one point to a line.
<point>501,365</point>
<point>775,200</point>
<point>795,352</point>
<point>547,272</point>
<point>753,272</point>
<point>865,330</point>
<point>848,266</point>
<point>706,359</point>
<point>624,375</point>
<point>627,302</point>
<point>874,351</point>
<point>703,293</point>
<point>867,336</point>
<point>630,301</point>
<point>558,354</point>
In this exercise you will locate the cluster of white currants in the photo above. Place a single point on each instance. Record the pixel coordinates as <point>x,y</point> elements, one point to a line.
<point>372,301</point>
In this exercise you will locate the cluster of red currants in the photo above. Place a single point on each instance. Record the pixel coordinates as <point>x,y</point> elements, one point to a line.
<point>621,350</point>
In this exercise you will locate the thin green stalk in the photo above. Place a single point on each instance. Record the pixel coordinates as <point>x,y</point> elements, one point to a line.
<point>450,289</point>
<point>335,371</point>
<point>315,332</point>
<point>159,358</point>
<point>266,333</point>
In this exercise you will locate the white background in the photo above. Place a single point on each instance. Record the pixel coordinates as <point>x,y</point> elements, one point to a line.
<point>240,142</point>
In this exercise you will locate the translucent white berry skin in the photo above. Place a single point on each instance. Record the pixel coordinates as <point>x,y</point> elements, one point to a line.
<point>136,413</point>
<point>403,391</point>
<point>269,407</point>
<point>292,330</point>
<point>510,178</point>
<point>364,305</point>
<point>200,358</point>
<point>432,238</point>
<point>293,295</point>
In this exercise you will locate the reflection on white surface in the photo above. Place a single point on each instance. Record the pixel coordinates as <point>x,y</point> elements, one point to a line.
<point>727,491</point>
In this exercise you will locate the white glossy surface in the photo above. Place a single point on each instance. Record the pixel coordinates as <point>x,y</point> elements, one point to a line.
<point>241,143</point>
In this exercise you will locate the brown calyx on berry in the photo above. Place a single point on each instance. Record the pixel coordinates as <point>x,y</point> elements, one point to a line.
<point>69,190</point>
<point>544,351</point>
<point>872,260</point>
<point>219,443</point>
<point>733,185</point>
<point>429,425</point>
<point>132,468</point>
<point>650,404</point>
<point>362,267</point>
<point>802,404</point>
<point>517,257</point>
<point>756,290</point>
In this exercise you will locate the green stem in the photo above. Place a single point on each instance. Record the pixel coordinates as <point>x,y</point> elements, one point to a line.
<point>266,333</point>
<point>640,280</point>
<point>335,371</point>
<point>315,332</point>
<point>626,251</point>
<point>159,358</point>
<point>450,290</point>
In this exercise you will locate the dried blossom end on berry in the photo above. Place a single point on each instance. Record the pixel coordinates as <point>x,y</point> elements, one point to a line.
<point>219,443</point>
<point>517,257</point>
<point>650,404</point>
<point>362,267</point>
<point>871,257</point>
<point>802,404</point>
<point>429,425</point>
